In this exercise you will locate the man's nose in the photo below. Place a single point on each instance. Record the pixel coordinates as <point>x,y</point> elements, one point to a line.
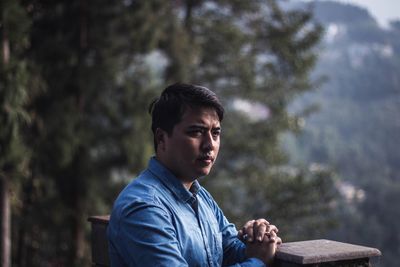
<point>208,142</point>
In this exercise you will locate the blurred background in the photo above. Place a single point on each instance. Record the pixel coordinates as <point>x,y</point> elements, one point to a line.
<point>310,138</point>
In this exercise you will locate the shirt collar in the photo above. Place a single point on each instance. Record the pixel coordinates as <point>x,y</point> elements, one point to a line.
<point>171,182</point>
<point>194,189</point>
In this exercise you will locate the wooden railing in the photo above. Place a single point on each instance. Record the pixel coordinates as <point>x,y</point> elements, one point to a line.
<point>312,253</point>
<point>99,240</point>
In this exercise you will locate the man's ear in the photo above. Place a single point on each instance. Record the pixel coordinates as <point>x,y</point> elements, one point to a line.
<point>160,136</point>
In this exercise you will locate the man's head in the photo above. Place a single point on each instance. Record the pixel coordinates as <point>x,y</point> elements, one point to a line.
<point>167,110</point>
<point>186,127</point>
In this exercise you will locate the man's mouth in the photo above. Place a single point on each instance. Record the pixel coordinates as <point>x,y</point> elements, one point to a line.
<point>206,159</point>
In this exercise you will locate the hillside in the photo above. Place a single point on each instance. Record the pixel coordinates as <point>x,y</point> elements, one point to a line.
<point>356,129</point>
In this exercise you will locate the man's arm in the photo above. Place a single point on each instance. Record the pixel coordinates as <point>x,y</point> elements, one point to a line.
<point>239,252</point>
<point>265,248</point>
<point>252,251</point>
<point>145,237</point>
<point>236,251</point>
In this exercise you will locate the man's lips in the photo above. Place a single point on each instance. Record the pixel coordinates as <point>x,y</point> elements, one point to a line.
<point>207,159</point>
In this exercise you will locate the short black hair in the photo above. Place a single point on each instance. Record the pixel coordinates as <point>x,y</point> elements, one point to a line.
<point>167,110</point>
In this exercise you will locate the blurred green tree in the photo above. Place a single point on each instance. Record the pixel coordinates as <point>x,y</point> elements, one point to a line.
<point>89,119</point>
<point>257,56</point>
<point>14,26</point>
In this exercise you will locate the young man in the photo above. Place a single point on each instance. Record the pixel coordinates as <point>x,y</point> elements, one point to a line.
<point>164,217</point>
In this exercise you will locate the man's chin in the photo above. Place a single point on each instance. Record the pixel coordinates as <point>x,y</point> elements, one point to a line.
<point>204,172</point>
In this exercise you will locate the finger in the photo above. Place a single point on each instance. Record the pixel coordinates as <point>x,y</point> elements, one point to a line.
<point>248,230</point>
<point>260,229</point>
<point>264,221</point>
<point>249,234</point>
<point>278,241</point>
<point>248,224</point>
<point>272,228</point>
<point>272,237</point>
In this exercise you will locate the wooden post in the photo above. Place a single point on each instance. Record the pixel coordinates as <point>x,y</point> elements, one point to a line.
<point>311,253</point>
<point>99,240</point>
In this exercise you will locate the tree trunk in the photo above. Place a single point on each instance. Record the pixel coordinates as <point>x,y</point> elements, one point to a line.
<point>5,211</point>
<point>79,235</point>
<point>24,235</point>
<point>79,222</point>
<point>5,222</point>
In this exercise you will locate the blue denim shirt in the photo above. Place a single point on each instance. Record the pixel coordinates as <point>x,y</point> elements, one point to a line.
<point>154,223</point>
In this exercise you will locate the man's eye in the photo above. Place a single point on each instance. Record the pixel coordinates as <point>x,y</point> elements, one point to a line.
<point>195,132</point>
<point>216,133</point>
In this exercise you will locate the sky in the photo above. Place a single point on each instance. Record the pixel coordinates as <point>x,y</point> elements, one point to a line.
<point>382,10</point>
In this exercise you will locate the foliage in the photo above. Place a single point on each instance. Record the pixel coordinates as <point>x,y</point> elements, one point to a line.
<point>13,84</point>
<point>13,96</point>
<point>86,125</point>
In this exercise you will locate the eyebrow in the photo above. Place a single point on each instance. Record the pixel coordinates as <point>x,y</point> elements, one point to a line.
<point>202,126</point>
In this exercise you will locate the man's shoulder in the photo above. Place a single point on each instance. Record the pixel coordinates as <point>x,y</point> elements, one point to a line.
<point>140,200</point>
<point>144,188</point>
<point>141,194</point>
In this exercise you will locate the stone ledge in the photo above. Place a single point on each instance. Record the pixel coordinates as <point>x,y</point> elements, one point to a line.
<point>322,250</point>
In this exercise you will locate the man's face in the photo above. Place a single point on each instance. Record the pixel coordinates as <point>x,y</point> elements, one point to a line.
<point>192,148</point>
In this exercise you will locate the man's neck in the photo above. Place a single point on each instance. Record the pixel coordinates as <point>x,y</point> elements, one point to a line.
<point>186,184</point>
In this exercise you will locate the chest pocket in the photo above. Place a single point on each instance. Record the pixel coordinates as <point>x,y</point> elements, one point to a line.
<point>211,235</point>
<point>216,241</point>
<point>190,238</point>
<point>218,251</point>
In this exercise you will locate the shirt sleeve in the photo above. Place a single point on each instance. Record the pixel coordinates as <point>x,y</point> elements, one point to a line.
<point>234,254</point>
<point>145,237</point>
<point>233,247</point>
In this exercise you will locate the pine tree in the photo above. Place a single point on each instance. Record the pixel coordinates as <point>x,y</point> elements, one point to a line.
<point>13,92</point>
<point>89,118</point>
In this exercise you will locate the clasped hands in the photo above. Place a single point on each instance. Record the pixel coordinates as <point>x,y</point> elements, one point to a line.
<point>261,239</point>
